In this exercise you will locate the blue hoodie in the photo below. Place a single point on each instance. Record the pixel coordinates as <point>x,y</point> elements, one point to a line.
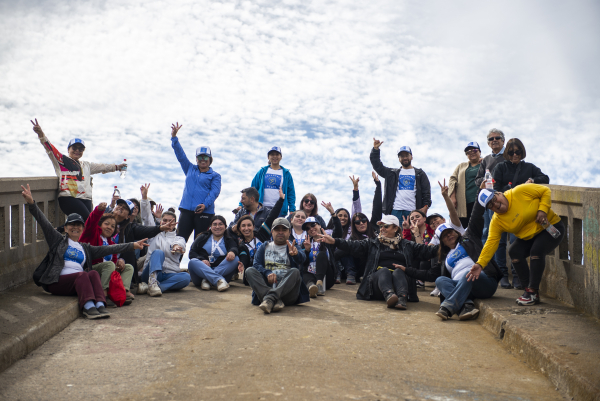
<point>200,188</point>
<point>289,202</point>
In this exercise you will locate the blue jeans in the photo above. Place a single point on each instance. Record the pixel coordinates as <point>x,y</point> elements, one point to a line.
<point>200,271</point>
<point>166,281</point>
<point>458,292</point>
<point>500,255</point>
<point>399,214</point>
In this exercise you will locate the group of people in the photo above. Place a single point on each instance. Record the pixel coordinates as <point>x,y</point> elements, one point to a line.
<point>288,256</point>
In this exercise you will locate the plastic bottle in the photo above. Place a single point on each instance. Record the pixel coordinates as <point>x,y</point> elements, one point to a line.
<point>489,184</point>
<point>117,192</point>
<point>124,169</point>
<point>553,231</point>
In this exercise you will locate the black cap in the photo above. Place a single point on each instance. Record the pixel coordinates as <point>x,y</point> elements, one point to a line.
<point>432,216</point>
<point>74,218</point>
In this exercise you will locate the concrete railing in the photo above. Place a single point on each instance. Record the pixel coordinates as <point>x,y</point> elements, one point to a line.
<point>22,243</point>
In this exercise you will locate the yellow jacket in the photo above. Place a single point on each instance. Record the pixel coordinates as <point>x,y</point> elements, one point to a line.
<point>524,202</point>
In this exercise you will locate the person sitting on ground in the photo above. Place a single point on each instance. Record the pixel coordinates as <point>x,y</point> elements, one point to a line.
<point>214,257</point>
<point>251,207</point>
<point>67,269</point>
<point>161,271</point>
<point>463,189</point>
<point>309,205</point>
<point>275,277</point>
<point>297,219</point>
<point>384,278</point>
<point>525,212</point>
<point>98,231</point>
<point>320,265</point>
<point>415,228</point>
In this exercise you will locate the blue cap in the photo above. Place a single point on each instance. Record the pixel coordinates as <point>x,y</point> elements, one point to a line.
<point>203,150</point>
<point>74,141</point>
<point>275,149</point>
<point>404,149</point>
<point>485,196</point>
<point>127,202</point>
<point>472,145</point>
<point>308,221</point>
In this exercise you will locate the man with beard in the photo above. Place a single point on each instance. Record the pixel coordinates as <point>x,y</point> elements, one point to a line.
<point>406,188</point>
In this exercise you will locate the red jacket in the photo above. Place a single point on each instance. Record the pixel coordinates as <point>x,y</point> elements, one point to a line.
<point>429,233</point>
<point>92,234</point>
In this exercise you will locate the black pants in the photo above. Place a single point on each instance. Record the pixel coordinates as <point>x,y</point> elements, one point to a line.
<point>82,207</point>
<point>384,281</point>
<point>190,221</point>
<point>324,269</point>
<point>536,248</point>
<point>464,221</point>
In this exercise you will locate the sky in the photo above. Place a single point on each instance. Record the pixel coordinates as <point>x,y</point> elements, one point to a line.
<point>320,79</point>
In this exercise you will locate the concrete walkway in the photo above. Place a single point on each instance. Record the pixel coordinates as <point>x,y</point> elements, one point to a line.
<point>209,345</point>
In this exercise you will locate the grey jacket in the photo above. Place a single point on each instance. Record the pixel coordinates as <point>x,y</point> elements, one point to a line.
<point>488,162</point>
<point>48,272</point>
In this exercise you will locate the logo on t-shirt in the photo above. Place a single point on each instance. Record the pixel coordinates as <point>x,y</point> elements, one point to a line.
<point>272,181</point>
<point>74,255</point>
<point>406,183</point>
<point>456,255</point>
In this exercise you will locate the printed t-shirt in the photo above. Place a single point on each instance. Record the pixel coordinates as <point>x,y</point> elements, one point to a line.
<point>277,260</point>
<point>470,186</point>
<point>107,258</point>
<point>74,258</point>
<point>273,181</point>
<point>458,262</point>
<point>406,193</point>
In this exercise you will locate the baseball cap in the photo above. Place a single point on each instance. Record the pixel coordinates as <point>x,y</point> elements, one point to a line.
<point>74,141</point>
<point>130,205</point>
<point>404,149</point>
<point>485,196</point>
<point>275,149</point>
<point>441,228</point>
<point>389,219</point>
<point>281,221</point>
<point>433,216</point>
<point>74,218</point>
<point>203,150</point>
<point>472,145</point>
<point>308,221</point>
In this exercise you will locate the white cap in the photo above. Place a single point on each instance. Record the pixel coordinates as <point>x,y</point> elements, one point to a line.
<point>404,149</point>
<point>308,221</point>
<point>275,149</point>
<point>389,219</point>
<point>74,141</point>
<point>472,145</point>
<point>485,196</point>
<point>203,150</point>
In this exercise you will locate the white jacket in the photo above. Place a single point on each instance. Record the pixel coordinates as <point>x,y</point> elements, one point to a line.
<point>74,177</point>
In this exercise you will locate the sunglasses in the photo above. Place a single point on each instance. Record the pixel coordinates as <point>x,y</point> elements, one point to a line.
<point>386,226</point>
<point>312,225</point>
<point>494,138</point>
<point>364,220</point>
<point>78,148</point>
<point>471,151</point>
<point>203,158</point>
<point>309,201</point>
<point>517,152</point>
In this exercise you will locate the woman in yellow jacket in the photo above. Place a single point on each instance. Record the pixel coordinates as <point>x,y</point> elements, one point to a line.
<point>525,212</point>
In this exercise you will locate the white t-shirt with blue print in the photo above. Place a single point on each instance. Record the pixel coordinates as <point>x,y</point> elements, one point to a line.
<point>74,258</point>
<point>273,181</point>
<point>107,258</point>
<point>458,262</point>
<point>406,194</point>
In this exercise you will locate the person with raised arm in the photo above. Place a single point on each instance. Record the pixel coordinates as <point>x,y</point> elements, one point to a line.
<point>201,190</point>
<point>74,175</point>
<point>67,268</point>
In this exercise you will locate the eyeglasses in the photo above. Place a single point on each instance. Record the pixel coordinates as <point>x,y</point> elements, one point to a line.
<point>494,138</point>
<point>364,220</point>
<point>517,152</point>
<point>471,151</point>
<point>309,201</point>
<point>203,158</point>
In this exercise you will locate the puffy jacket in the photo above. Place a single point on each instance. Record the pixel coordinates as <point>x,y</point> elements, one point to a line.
<point>504,173</point>
<point>391,176</point>
<point>200,188</point>
<point>289,204</point>
<point>92,234</point>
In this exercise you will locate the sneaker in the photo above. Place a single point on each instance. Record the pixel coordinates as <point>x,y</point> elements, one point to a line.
<point>205,285</point>
<point>235,277</point>
<point>154,290</point>
<point>103,312</point>
<point>142,288</point>
<point>504,283</point>
<point>313,290</point>
<point>338,278</point>
<point>278,306</point>
<point>420,284</point>
<point>413,297</point>
<point>401,304</point>
<point>109,303</point>
<point>443,313</point>
<point>391,299</point>
<point>321,290</point>
<point>128,301</point>
<point>222,285</point>
<point>529,297</point>
<point>435,292</point>
<point>350,280</point>
<point>517,283</point>
<point>266,306</point>
<point>468,312</point>
<point>92,313</point>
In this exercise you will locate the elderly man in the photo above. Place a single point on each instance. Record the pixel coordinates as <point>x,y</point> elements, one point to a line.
<point>275,277</point>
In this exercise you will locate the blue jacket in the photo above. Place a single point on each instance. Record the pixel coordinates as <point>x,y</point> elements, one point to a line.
<point>295,263</point>
<point>289,202</point>
<point>199,187</point>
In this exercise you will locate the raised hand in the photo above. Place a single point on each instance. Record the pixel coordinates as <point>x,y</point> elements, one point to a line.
<point>27,194</point>
<point>140,244</point>
<point>405,223</point>
<point>37,129</point>
<point>327,205</point>
<point>114,200</point>
<point>414,228</point>
<point>306,243</point>
<point>158,211</point>
<point>174,129</point>
<point>144,190</point>
<point>355,182</point>
<point>120,166</point>
<point>102,206</point>
<point>292,248</point>
<point>167,226</point>
<point>281,194</point>
<point>324,237</point>
<point>377,143</point>
<point>375,176</point>
<point>444,188</point>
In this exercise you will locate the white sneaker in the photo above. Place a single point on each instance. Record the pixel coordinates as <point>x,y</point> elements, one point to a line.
<point>142,288</point>
<point>205,285</point>
<point>435,292</point>
<point>154,291</point>
<point>222,285</point>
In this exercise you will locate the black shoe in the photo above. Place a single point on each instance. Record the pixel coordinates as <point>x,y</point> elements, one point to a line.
<point>103,312</point>
<point>128,301</point>
<point>420,284</point>
<point>504,283</point>
<point>110,304</point>
<point>413,297</point>
<point>350,280</point>
<point>391,299</point>
<point>517,283</point>
<point>468,312</point>
<point>92,313</point>
<point>401,304</point>
<point>443,313</point>
<point>266,306</point>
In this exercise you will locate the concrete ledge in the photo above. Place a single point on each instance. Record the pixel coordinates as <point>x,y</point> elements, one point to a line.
<point>551,337</point>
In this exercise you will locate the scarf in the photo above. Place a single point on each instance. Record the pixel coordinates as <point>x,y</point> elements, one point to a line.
<point>391,242</point>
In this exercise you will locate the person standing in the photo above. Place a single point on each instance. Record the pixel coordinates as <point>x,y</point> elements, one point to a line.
<point>406,188</point>
<point>463,189</point>
<point>252,207</point>
<point>202,188</point>
<point>270,178</point>
<point>74,175</point>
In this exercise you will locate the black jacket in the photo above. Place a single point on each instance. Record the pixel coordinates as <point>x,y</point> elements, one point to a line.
<point>133,232</point>
<point>489,162</point>
<point>198,252</point>
<point>423,196</point>
<point>48,272</point>
<point>471,241</point>
<point>504,173</point>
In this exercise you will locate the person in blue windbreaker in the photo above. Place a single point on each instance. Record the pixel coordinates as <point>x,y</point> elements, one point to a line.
<point>202,188</point>
<point>270,178</point>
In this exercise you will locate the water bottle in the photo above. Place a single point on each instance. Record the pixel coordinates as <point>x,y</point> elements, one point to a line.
<point>553,231</point>
<point>117,192</point>
<point>124,169</point>
<point>489,184</point>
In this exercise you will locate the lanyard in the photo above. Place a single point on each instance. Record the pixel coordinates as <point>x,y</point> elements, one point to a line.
<point>215,247</point>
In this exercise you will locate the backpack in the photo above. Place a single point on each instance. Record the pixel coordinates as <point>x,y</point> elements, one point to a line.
<point>116,289</point>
